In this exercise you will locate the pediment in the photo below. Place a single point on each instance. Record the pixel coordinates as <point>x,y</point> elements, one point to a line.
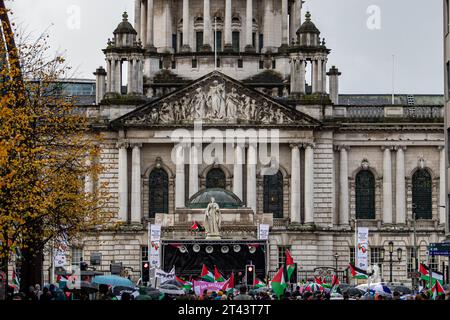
<point>216,100</point>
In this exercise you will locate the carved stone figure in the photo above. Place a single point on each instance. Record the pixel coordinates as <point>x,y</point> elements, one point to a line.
<point>213,220</point>
<point>216,98</point>
<point>199,104</point>
<point>232,103</point>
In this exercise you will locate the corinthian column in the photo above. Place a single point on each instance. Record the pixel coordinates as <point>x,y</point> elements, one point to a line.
<point>237,171</point>
<point>309,184</point>
<point>295,184</point>
<point>442,187</point>
<point>137,17</point>
<point>186,35</point>
<point>343,187</point>
<point>228,38</point>
<point>143,34</point>
<point>251,177</point>
<point>179,177</point>
<point>400,194</point>
<point>284,23</point>
<point>136,190</point>
<point>150,27</point>
<point>206,25</point>
<point>123,182</point>
<point>249,27</point>
<point>387,186</point>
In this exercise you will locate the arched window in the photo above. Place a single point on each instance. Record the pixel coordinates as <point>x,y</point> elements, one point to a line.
<point>273,195</point>
<point>365,195</point>
<point>421,194</point>
<point>215,179</point>
<point>159,192</point>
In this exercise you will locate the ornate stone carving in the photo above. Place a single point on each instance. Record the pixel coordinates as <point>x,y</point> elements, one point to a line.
<point>365,164</point>
<point>215,99</point>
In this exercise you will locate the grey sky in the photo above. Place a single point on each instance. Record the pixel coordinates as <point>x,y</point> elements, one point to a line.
<point>410,29</point>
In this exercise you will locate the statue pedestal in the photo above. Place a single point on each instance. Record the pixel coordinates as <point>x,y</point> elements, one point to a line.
<point>213,237</point>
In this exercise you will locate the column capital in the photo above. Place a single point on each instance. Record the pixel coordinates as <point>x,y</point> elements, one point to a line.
<point>122,145</point>
<point>384,148</point>
<point>397,148</point>
<point>295,145</point>
<point>307,145</point>
<point>342,147</point>
<point>135,145</point>
<point>440,148</point>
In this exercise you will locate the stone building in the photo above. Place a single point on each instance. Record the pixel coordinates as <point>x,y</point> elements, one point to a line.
<point>255,65</point>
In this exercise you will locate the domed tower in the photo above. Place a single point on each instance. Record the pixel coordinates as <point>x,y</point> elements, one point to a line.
<point>309,48</point>
<point>124,49</point>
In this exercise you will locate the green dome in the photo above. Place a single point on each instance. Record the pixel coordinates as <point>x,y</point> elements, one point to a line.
<point>224,198</point>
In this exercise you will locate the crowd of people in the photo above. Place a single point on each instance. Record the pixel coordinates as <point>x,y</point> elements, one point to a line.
<point>52,292</point>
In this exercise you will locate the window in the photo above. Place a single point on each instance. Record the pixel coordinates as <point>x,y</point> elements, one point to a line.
<point>352,255</point>
<point>160,63</point>
<point>199,41</point>
<point>434,264</point>
<point>421,194</point>
<point>410,267</point>
<point>215,179</point>
<point>174,64</point>
<point>174,42</point>
<point>261,64</point>
<point>254,39</point>
<point>77,255</point>
<point>282,255</point>
<point>274,64</point>
<point>261,42</point>
<point>273,194</point>
<point>181,39</point>
<point>159,192</point>
<point>236,41</point>
<point>144,253</point>
<point>365,195</point>
<point>218,63</point>
<point>194,63</point>
<point>240,63</point>
<point>219,41</point>
<point>376,258</point>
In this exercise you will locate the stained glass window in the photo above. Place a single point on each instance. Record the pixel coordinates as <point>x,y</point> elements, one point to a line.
<point>421,193</point>
<point>365,195</point>
<point>159,192</point>
<point>215,179</point>
<point>273,194</point>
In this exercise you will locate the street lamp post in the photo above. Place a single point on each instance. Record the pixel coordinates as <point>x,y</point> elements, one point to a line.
<point>391,250</point>
<point>336,257</point>
<point>416,265</point>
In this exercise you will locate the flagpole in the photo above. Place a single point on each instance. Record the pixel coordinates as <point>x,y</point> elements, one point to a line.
<point>215,43</point>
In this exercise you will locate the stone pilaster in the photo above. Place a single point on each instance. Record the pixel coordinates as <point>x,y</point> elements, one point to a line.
<point>344,216</point>
<point>400,186</point>
<point>179,178</point>
<point>136,184</point>
<point>442,186</point>
<point>207,25</point>
<point>309,184</point>
<point>227,26</point>
<point>251,177</point>
<point>387,185</point>
<point>237,171</point>
<point>123,181</point>
<point>295,184</point>
<point>193,171</point>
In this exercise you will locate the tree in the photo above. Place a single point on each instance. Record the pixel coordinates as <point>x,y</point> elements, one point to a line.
<point>47,150</point>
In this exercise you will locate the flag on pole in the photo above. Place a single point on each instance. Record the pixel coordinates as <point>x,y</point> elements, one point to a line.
<point>218,277</point>
<point>229,284</point>
<point>437,290</point>
<point>197,227</point>
<point>15,279</point>
<point>206,275</point>
<point>335,284</point>
<point>278,284</point>
<point>290,265</point>
<point>424,271</point>
<point>258,284</point>
<point>358,273</point>
<point>187,285</point>
<point>318,280</point>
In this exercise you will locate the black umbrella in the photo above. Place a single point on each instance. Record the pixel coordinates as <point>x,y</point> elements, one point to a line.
<point>152,292</point>
<point>117,290</point>
<point>173,282</point>
<point>402,290</point>
<point>84,286</point>
<point>354,292</point>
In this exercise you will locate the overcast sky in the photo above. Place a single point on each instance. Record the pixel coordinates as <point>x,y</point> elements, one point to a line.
<point>363,36</point>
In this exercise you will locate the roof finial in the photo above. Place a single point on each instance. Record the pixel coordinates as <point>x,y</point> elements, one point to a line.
<point>308,16</point>
<point>125,16</point>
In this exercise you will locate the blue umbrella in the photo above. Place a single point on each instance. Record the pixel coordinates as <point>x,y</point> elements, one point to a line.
<point>113,280</point>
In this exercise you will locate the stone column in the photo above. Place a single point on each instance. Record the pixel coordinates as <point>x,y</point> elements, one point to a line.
<point>136,184</point>
<point>207,29</point>
<point>123,182</point>
<point>137,17</point>
<point>324,75</point>
<point>193,171</point>
<point>442,189</point>
<point>314,76</point>
<point>143,34</point>
<point>334,84</point>
<point>343,187</point>
<point>387,186</point>
<point>284,23</point>
<point>400,194</point>
<point>309,184</point>
<point>150,28</point>
<point>88,181</point>
<point>319,75</point>
<point>108,75</point>
<point>227,26</point>
<point>295,184</point>
<point>268,25</point>
<point>131,76</point>
<point>179,178</point>
<point>186,27</point>
<point>118,76</point>
<point>302,77</point>
<point>237,171</point>
<point>249,27</point>
<point>100,77</point>
<point>251,177</point>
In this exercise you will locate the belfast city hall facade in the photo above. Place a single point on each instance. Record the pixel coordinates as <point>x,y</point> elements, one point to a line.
<point>234,100</point>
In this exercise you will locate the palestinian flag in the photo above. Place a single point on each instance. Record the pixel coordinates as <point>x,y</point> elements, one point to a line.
<point>437,290</point>
<point>229,284</point>
<point>258,284</point>
<point>218,277</point>
<point>278,284</point>
<point>358,273</point>
<point>425,275</point>
<point>335,284</point>
<point>206,275</point>
<point>290,265</point>
<point>186,285</point>
<point>15,280</point>
<point>318,280</point>
<point>195,227</point>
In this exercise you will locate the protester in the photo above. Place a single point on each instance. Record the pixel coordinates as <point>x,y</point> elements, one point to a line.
<point>243,294</point>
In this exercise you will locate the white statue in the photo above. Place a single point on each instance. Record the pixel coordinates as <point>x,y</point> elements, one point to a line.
<point>232,103</point>
<point>213,220</point>
<point>216,98</point>
<point>199,103</point>
<point>374,272</point>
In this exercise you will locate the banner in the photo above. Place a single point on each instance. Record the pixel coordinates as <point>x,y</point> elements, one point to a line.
<point>263,232</point>
<point>200,286</point>
<point>60,252</point>
<point>165,276</point>
<point>155,245</point>
<point>363,248</point>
